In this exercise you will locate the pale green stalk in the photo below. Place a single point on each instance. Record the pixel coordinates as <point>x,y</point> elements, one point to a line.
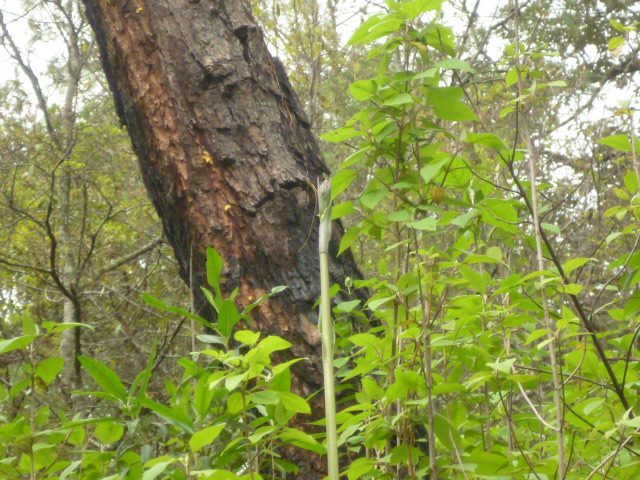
<point>326,328</point>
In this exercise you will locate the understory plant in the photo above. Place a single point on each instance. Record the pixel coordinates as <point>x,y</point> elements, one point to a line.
<point>225,417</point>
<point>498,350</point>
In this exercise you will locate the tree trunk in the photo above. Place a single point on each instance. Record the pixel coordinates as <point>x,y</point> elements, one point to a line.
<point>227,156</point>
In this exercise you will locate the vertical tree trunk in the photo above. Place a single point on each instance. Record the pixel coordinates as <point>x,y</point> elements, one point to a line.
<point>227,156</point>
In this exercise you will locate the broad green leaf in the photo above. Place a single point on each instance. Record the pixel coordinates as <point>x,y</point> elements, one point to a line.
<point>430,170</point>
<point>54,327</point>
<point>363,89</point>
<point>235,403</point>
<point>214,268</point>
<point>301,439</point>
<point>264,397</point>
<point>455,64</point>
<point>347,306</point>
<point>571,288</point>
<point>631,181</point>
<point>203,396</point>
<point>342,210</point>
<point>157,468</point>
<point>536,334</point>
<point>348,238</point>
<point>228,317</point>
<point>16,343</point>
<point>174,416</point>
<point>70,469</point>
<point>341,134</point>
<point>370,199</point>
<point>108,380</point>
<point>619,142</point>
<point>364,339</point>
<point>511,77</point>
<point>551,228</point>
<point>447,105</point>
<point>109,432</point>
<point>294,403</point>
<point>377,26</point>
<point>340,181</point>
<point>504,367</point>
<point>399,99</point>
<point>205,437</point>
<point>427,223</point>
<point>476,280</point>
<point>49,368</point>
<point>574,263</point>
<point>441,38</point>
<point>616,42</point>
<point>417,7</point>
<point>488,140</point>
<point>247,337</point>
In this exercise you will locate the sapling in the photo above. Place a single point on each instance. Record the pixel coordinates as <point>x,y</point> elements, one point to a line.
<point>326,327</point>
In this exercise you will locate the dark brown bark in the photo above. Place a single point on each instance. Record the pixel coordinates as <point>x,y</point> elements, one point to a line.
<point>227,156</point>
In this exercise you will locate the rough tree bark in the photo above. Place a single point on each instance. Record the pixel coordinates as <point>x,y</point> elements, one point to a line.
<point>227,156</point>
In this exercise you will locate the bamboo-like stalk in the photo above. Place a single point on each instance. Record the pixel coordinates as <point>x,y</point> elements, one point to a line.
<point>326,328</point>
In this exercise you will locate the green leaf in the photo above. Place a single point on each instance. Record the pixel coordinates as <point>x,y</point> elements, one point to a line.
<point>109,432</point>
<point>340,181</point>
<point>616,42</point>
<point>228,317</point>
<point>631,181</point>
<point>504,367</point>
<point>574,263</point>
<point>619,142</point>
<point>476,280</point>
<point>205,437</point>
<point>511,77</point>
<point>235,403</point>
<point>488,140</point>
<point>49,368</point>
<point>447,105</point>
<point>108,380</point>
<point>294,403</point>
<point>570,289</point>
<point>427,223</point>
<point>174,416</point>
<point>455,64</point>
<point>347,306</point>
<point>398,99</point>
<point>265,397</point>
<point>429,171</point>
<point>551,228</point>
<point>348,238</point>
<point>54,327</point>
<point>342,210</point>
<point>341,134</point>
<point>272,344</point>
<point>16,343</point>
<point>370,199</point>
<point>214,268</point>
<point>617,25</point>
<point>441,38</point>
<point>247,337</point>
<point>70,469</point>
<point>363,89</point>
<point>536,334</point>
<point>301,439</point>
<point>157,468</point>
<point>417,7</point>
<point>377,26</point>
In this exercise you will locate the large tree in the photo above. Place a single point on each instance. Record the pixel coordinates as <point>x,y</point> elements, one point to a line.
<point>227,156</point>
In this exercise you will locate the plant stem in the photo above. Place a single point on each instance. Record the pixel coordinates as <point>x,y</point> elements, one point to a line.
<point>326,329</point>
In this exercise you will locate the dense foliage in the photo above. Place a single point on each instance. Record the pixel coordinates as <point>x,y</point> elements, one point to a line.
<point>500,338</point>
